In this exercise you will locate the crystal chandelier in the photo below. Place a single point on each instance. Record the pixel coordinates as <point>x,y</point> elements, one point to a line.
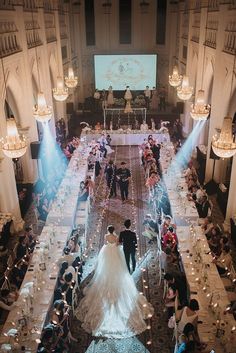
<point>14,145</point>
<point>71,80</point>
<point>175,79</point>
<point>41,111</point>
<point>128,108</point>
<point>200,110</point>
<point>60,93</point>
<point>224,145</point>
<point>185,91</point>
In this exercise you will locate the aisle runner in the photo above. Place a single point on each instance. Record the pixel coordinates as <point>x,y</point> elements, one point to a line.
<point>117,213</point>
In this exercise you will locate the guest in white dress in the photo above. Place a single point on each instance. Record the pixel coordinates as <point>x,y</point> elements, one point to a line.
<point>112,306</point>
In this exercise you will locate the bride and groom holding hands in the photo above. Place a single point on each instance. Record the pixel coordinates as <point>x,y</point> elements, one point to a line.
<point>112,306</point>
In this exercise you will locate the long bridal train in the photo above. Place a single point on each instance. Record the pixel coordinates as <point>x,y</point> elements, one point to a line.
<point>112,306</point>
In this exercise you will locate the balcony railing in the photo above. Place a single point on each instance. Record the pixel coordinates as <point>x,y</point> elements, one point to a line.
<point>8,44</point>
<point>6,5</point>
<point>230,38</point>
<point>33,38</point>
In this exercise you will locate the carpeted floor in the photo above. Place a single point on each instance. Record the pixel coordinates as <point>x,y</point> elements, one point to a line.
<point>159,335</point>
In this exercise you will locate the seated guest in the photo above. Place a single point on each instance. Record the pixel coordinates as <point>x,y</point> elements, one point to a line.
<point>18,274</point>
<point>181,347</point>
<point>166,224</point>
<point>203,207</point>
<point>91,161</point>
<point>151,228</point>
<point>224,261</point>
<point>64,267</point>
<point>170,237</point>
<point>189,333</point>
<point>90,185</point>
<point>189,315</point>
<point>152,180</point>
<point>6,300</point>
<point>207,226</point>
<point>168,261</point>
<point>31,238</point>
<point>190,171</point>
<point>67,256</point>
<point>180,283</point>
<point>67,287</point>
<point>21,249</point>
<point>214,243</point>
<point>44,209</point>
<point>170,299</point>
<point>83,192</point>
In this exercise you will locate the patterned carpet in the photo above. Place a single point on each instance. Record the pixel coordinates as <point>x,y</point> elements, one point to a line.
<point>159,335</point>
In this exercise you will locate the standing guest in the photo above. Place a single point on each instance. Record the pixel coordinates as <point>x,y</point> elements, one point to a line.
<point>96,97</point>
<point>154,101</point>
<point>110,172</point>
<point>147,96</point>
<point>110,98</point>
<point>177,129</point>
<point>128,95</point>
<point>104,99</point>
<point>162,96</point>
<point>129,241</point>
<point>123,176</point>
<point>97,156</point>
<point>109,140</point>
<point>171,238</point>
<point>153,125</point>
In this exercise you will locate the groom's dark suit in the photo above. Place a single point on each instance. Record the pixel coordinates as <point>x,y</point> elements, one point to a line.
<point>129,241</point>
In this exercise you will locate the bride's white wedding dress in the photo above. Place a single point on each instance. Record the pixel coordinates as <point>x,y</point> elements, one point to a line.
<point>112,306</point>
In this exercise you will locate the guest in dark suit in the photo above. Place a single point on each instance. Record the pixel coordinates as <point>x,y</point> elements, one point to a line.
<point>110,172</point>
<point>129,241</point>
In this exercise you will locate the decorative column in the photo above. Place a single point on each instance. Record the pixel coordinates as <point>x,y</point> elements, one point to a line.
<point>231,205</point>
<point>9,201</point>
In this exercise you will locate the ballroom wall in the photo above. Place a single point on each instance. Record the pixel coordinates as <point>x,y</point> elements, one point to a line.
<point>40,39</point>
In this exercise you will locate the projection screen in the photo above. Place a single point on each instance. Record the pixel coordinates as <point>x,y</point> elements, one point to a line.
<point>119,71</point>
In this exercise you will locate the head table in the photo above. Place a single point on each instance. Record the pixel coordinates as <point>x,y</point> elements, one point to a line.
<point>36,293</point>
<point>216,328</point>
<point>128,137</point>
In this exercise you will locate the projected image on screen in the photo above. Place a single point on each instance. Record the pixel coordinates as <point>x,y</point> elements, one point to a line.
<point>119,71</point>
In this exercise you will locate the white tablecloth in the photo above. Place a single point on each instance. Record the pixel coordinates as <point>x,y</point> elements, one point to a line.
<point>43,293</point>
<point>207,292</point>
<point>58,227</point>
<point>196,268</point>
<point>63,208</point>
<point>129,138</point>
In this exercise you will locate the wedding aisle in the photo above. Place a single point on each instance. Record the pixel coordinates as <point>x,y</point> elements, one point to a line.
<point>158,338</point>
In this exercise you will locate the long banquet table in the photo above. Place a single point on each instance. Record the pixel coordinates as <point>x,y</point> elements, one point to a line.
<point>128,137</point>
<point>43,269</point>
<point>203,279</point>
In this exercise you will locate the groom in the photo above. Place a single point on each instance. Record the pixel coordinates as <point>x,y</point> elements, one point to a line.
<point>129,241</point>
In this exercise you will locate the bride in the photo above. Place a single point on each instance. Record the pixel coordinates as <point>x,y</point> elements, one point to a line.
<point>112,306</point>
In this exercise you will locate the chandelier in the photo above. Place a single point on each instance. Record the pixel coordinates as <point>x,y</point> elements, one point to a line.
<point>223,145</point>
<point>14,145</point>
<point>175,79</point>
<point>71,80</point>
<point>185,91</point>
<point>200,110</point>
<point>128,108</point>
<point>60,93</point>
<point>41,111</point>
